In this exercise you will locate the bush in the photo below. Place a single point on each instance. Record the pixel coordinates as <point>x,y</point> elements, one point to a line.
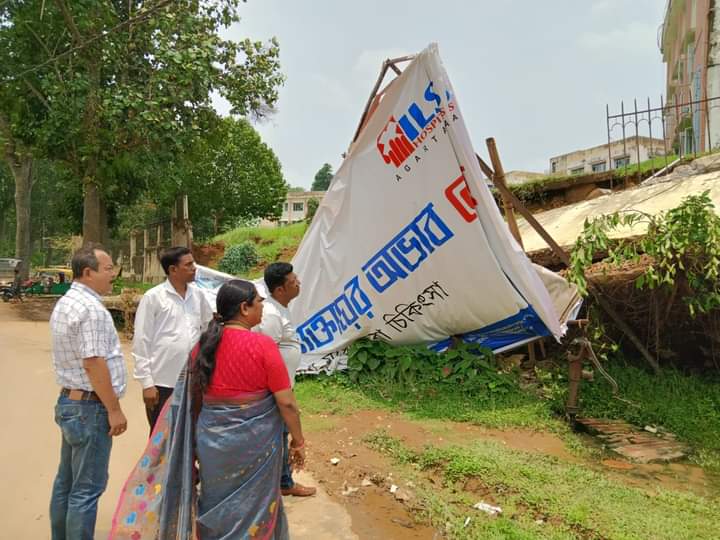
<point>464,368</point>
<point>239,259</point>
<point>674,297</point>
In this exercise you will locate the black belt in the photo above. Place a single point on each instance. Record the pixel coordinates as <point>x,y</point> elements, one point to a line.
<point>82,395</point>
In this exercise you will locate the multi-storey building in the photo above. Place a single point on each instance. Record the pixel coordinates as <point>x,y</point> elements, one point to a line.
<point>690,45</point>
<point>616,155</point>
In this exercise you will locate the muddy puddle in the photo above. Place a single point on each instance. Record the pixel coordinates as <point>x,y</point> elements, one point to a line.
<point>361,481</point>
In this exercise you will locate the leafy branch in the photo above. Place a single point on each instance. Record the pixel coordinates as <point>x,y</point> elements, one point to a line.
<point>683,243</point>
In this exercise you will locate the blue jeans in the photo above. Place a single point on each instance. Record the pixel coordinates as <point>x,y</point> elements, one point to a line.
<point>286,480</point>
<point>83,472</point>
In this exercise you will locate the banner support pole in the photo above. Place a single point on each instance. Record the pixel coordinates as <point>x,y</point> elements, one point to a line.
<point>499,178</point>
<point>563,256</point>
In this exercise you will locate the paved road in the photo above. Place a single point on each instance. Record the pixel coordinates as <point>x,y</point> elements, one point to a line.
<point>29,451</point>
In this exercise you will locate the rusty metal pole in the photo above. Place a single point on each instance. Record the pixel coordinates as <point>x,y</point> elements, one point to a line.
<point>499,178</point>
<point>575,363</point>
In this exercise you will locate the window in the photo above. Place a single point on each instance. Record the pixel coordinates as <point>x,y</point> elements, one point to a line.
<point>577,170</point>
<point>285,207</point>
<point>298,207</point>
<point>622,162</point>
<point>553,166</point>
<point>599,167</point>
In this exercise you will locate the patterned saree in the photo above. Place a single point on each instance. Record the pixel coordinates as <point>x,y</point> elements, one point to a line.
<point>239,450</point>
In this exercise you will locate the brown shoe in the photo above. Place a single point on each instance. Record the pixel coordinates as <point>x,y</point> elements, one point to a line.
<point>298,490</point>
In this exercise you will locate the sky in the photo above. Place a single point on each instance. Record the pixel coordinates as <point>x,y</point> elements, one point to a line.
<point>535,74</point>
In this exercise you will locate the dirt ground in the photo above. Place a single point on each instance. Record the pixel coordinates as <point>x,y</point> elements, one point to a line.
<point>354,500</point>
<point>31,448</point>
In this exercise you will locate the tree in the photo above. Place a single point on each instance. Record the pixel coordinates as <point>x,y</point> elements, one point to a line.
<point>323,178</point>
<point>121,78</point>
<point>55,207</point>
<point>7,213</point>
<point>312,206</point>
<point>232,175</point>
<point>20,162</point>
<point>296,189</point>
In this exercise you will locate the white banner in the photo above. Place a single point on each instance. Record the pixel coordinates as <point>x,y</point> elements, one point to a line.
<point>408,245</point>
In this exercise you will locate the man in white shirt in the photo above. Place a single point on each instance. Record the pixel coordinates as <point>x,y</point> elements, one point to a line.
<point>283,285</point>
<point>168,323</point>
<point>90,370</point>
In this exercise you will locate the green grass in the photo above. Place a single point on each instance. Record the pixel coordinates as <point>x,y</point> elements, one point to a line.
<point>686,405</point>
<point>322,394</point>
<point>123,283</point>
<point>572,501</point>
<point>536,188</point>
<point>646,167</point>
<point>270,242</point>
<point>542,497</point>
<point>263,235</point>
<point>512,409</point>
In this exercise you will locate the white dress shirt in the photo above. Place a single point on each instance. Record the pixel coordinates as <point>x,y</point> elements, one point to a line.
<point>276,324</point>
<point>167,327</point>
<point>82,328</point>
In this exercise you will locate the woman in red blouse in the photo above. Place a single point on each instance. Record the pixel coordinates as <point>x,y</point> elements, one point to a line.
<point>246,398</point>
<point>238,381</point>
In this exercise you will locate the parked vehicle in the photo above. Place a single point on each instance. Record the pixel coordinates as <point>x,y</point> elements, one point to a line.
<point>53,280</point>
<point>11,293</point>
<point>7,270</point>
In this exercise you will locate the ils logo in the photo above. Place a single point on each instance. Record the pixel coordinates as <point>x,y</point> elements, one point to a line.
<point>402,136</point>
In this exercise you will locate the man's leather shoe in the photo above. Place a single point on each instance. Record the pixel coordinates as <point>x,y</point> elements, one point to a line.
<point>298,490</point>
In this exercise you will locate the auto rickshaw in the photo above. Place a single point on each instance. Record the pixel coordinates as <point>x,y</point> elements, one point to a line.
<point>54,280</point>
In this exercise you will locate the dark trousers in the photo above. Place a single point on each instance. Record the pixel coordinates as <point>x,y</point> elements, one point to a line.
<point>286,479</point>
<point>154,412</point>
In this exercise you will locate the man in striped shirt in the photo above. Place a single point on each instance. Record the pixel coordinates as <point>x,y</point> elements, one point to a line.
<point>90,371</point>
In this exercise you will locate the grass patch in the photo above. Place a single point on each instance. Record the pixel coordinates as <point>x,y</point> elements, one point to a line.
<point>645,167</point>
<point>461,384</point>
<point>686,405</point>
<point>316,423</point>
<point>123,283</point>
<point>514,408</point>
<point>325,395</point>
<point>543,497</point>
<point>270,243</point>
<point>535,189</point>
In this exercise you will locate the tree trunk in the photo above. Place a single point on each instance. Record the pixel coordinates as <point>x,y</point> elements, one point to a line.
<point>22,171</point>
<point>92,214</point>
<point>3,228</point>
